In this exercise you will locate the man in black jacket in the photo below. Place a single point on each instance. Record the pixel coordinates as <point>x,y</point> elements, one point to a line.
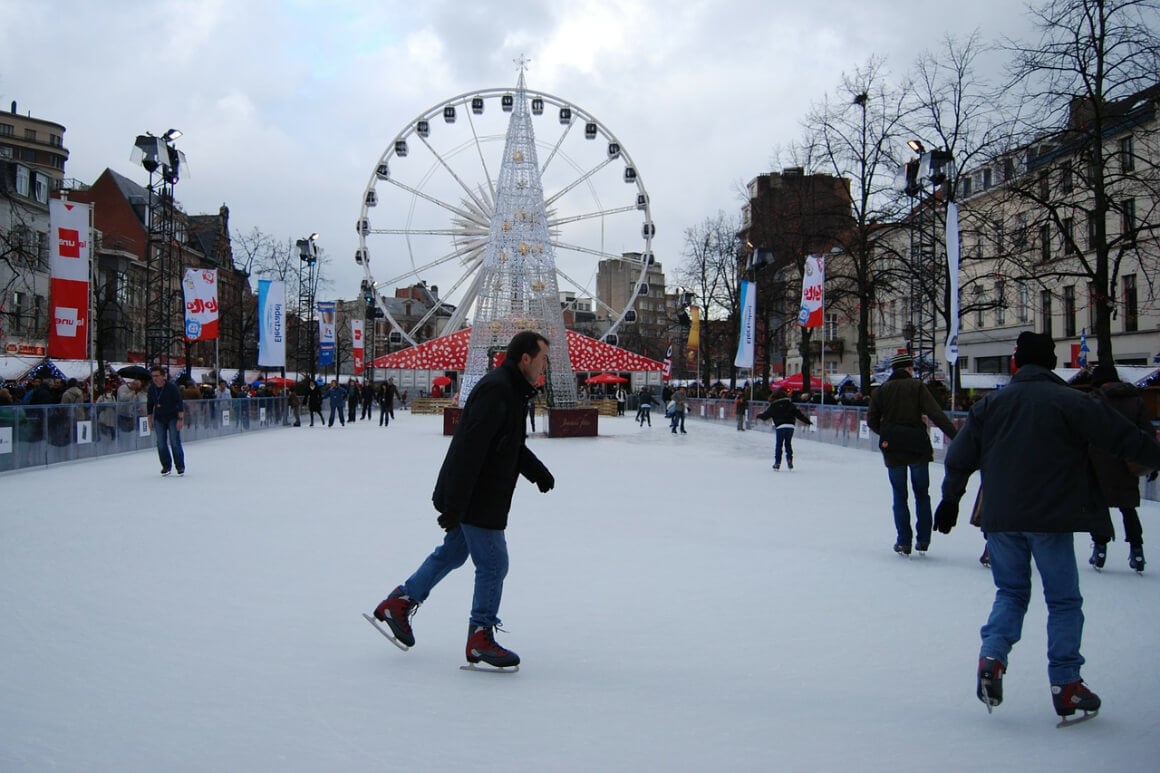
<point>473,495</point>
<point>1029,441</point>
<point>166,415</point>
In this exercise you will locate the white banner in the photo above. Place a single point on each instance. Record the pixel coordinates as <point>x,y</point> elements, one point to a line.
<point>745,340</point>
<point>952,347</point>
<point>201,304</point>
<point>357,345</point>
<point>813,292</point>
<point>271,323</point>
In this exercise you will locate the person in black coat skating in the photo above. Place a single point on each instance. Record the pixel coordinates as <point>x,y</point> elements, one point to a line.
<point>473,493</point>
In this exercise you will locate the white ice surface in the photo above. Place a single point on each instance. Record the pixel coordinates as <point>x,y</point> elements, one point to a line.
<point>678,605</point>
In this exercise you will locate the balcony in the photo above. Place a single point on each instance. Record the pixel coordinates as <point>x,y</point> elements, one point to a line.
<point>835,346</point>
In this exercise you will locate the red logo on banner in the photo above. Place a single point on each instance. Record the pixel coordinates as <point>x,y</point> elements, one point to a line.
<point>70,242</point>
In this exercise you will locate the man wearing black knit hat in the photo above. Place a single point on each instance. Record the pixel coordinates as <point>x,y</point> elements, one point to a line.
<point>895,415</point>
<point>1029,440</point>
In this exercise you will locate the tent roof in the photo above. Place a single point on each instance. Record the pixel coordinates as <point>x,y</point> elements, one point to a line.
<point>449,352</point>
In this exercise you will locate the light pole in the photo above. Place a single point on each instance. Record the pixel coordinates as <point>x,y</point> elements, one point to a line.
<point>164,163</point>
<point>929,166</point>
<point>307,288</point>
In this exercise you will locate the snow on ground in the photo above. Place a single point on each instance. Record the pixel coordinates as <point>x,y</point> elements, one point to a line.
<point>678,605</point>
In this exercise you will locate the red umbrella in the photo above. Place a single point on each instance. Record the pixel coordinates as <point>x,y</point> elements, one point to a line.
<point>441,381</point>
<point>794,383</point>
<point>605,378</point>
<point>279,381</point>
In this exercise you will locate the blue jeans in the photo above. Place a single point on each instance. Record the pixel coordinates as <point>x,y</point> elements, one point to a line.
<point>920,482</point>
<point>167,435</point>
<point>784,439</point>
<point>1054,554</point>
<point>488,551</point>
<point>337,409</point>
<point>678,421</point>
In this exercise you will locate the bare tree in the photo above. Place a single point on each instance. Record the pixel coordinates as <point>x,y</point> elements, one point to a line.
<point>854,135</point>
<point>711,270</point>
<point>1076,157</point>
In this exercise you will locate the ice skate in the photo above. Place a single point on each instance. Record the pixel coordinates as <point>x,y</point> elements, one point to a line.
<point>396,611</point>
<point>989,687</point>
<point>1099,556</point>
<point>482,647</point>
<point>1068,698</point>
<point>1136,558</point>
<point>903,550</point>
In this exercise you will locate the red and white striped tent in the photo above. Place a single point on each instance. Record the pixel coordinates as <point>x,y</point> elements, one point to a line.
<point>449,352</point>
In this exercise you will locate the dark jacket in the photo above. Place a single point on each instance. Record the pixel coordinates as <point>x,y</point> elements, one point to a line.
<point>165,401</point>
<point>488,452</point>
<point>1119,484</point>
<point>1030,442</point>
<point>783,413</point>
<point>314,399</point>
<point>902,401</point>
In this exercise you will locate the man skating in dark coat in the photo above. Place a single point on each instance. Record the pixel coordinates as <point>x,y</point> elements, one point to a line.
<point>1029,441</point>
<point>473,495</point>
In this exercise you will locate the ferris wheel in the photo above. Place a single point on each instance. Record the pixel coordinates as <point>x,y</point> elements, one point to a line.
<point>427,209</point>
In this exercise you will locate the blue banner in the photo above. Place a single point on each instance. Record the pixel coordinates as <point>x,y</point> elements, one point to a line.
<point>747,334</point>
<point>326,321</point>
<point>271,323</point>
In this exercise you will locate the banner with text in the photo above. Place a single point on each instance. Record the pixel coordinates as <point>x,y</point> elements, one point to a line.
<point>271,323</point>
<point>693,344</point>
<point>69,259</point>
<point>746,337</point>
<point>326,312</point>
<point>813,292</point>
<point>199,287</point>
<point>356,337</point>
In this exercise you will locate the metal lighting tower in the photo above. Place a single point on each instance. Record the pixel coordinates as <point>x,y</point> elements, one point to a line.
<point>307,290</point>
<point>926,269</point>
<point>163,317</point>
<point>517,280</point>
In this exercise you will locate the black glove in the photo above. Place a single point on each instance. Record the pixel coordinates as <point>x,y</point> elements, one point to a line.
<point>1152,475</point>
<point>546,482</point>
<point>448,521</point>
<point>946,515</point>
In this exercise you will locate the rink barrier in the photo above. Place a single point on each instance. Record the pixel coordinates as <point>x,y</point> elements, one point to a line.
<point>41,435</point>
<point>842,425</point>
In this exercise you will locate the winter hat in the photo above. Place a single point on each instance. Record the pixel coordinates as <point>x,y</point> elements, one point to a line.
<point>901,360</point>
<point>1104,373</point>
<point>1035,349</point>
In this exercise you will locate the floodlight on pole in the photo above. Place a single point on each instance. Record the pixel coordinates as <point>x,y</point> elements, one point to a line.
<point>916,146</point>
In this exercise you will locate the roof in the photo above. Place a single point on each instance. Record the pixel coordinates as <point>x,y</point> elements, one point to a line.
<point>449,352</point>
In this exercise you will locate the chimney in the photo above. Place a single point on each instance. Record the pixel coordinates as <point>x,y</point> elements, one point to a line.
<point>14,107</point>
<point>435,291</point>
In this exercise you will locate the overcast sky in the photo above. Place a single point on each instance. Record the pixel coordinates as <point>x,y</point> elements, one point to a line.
<point>286,107</point>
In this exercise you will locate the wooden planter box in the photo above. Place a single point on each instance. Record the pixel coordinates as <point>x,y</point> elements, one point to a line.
<point>573,422</point>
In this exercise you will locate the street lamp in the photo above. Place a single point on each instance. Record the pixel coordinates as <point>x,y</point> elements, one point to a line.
<point>165,163</point>
<point>307,288</point>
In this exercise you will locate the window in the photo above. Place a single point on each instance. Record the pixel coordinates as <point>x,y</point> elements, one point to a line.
<point>1069,235</point>
<point>1044,185</point>
<point>1045,312</point>
<point>991,364</point>
<point>40,187</point>
<point>1019,237</point>
<point>986,179</point>
<point>30,134</point>
<point>1069,311</point>
<point>1131,304</point>
<point>55,140</point>
<point>1128,220</point>
<point>980,301</point>
<point>1044,243</point>
<point>831,329</point>
<point>1000,303</point>
<point>17,313</point>
<point>1022,306</point>
<point>892,326</point>
<point>1127,155</point>
<point>1093,297</point>
<point>1093,236</point>
<point>5,130</point>
<point>22,180</point>
<point>1066,177</point>
<point>966,186</point>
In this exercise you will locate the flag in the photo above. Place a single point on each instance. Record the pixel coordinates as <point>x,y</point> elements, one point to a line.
<point>356,340</point>
<point>746,338</point>
<point>693,344</point>
<point>952,242</point>
<point>667,370</point>
<point>813,292</point>
<point>326,312</point>
<point>199,288</point>
<point>69,260</point>
<point>1013,367</point>
<point>1083,348</point>
<point>271,323</point>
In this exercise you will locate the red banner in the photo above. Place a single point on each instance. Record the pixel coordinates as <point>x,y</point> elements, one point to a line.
<point>69,257</point>
<point>199,287</point>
